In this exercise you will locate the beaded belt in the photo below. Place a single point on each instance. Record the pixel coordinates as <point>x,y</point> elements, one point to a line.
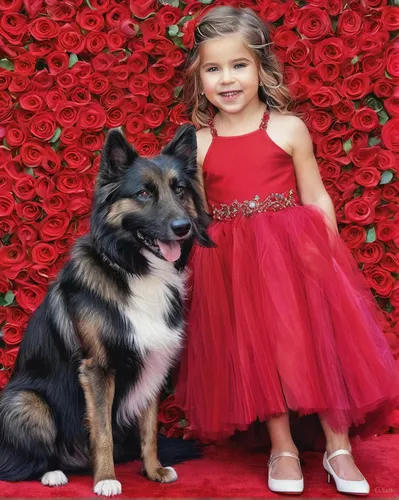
<point>274,202</point>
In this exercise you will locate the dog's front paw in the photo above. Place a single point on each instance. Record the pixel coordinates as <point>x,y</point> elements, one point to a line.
<point>162,475</point>
<point>108,488</point>
<point>54,478</point>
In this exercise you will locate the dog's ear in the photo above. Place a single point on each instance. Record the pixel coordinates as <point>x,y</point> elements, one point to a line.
<point>117,155</point>
<point>183,146</point>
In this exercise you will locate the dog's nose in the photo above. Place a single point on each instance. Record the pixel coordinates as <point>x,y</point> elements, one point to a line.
<point>181,227</point>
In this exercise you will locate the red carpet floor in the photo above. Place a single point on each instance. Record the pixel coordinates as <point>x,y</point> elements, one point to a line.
<point>227,472</point>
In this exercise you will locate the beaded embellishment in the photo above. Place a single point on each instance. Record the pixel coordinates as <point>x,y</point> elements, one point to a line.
<point>274,202</point>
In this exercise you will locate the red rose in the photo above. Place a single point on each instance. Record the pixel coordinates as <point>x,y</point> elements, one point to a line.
<point>29,211</point>
<point>30,297</point>
<point>390,192</point>
<point>380,280</point>
<point>24,64</point>
<point>112,98</point>
<point>42,80</point>
<point>365,119</point>
<point>68,183</point>
<point>44,186</point>
<point>343,111</point>
<point>70,39</point>
<point>143,8</point>
<point>386,230</point>
<point>154,115</point>
<point>359,211</point>
<point>349,23</point>
<point>134,125</point>
<point>32,101</point>
<point>364,157</point>
<point>311,78</point>
<point>354,236</point>
<point>41,49</point>
<point>7,204</point>
<point>392,105</point>
<point>390,18</point>
<point>329,50</point>
<point>76,158</point>
<point>43,253</point>
<point>24,188</point>
<point>27,233</point>
<point>54,203</point>
<point>10,356</point>
<point>12,334</point>
<point>43,126</point>
<point>4,287</point>
<point>96,42</point>
<point>19,83</point>
<point>162,94</point>
<point>367,177</point>
<point>314,23</point>
<point>370,253</point>
<point>51,161</point>
<point>321,121</point>
<point>70,135</point>
<point>390,134</point>
<point>43,28</point>
<point>92,117</point>
<point>356,86</point>
<point>179,114</point>
<point>392,59</point>
<point>54,226</point>
<point>5,78</point>
<point>90,20</point>
<point>283,37</point>
<point>147,144</point>
<point>67,80</point>
<point>54,96</point>
<point>169,15</point>
<point>324,97</point>
<point>138,85</point>
<point>170,412</point>
<point>390,262</point>
<point>16,316</point>
<point>299,55</point>
<point>66,113</point>
<point>162,71</point>
<point>115,40</point>
<point>92,141</point>
<point>394,298</point>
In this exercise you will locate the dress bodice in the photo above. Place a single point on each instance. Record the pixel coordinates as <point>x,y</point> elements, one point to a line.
<point>248,168</point>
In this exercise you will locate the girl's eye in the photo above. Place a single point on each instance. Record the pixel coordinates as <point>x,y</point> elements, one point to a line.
<point>240,65</point>
<point>211,69</point>
<point>144,194</point>
<point>179,189</point>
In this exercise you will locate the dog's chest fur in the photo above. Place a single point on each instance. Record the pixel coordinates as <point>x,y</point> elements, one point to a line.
<point>154,335</point>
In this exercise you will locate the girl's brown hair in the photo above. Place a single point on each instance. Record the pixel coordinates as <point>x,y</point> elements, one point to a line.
<point>222,21</point>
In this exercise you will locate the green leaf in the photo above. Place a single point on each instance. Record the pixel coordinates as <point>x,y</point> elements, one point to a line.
<point>7,299</point>
<point>177,91</point>
<point>206,2</point>
<point>184,19</point>
<point>371,236</point>
<point>90,5</point>
<point>5,143</point>
<point>73,59</point>
<point>173,3</point>
<point>356,104</point>
<point>386,177</point>
<point>29,171</point>
<point>6,64</point>
<point>355,60</point>
<point>388,75</point>
<point>56,135</point>
<point>55,145</point>
<point>173,30</point>
<point>348,145</point>
<point>383,117</point>
<point>6,239</point>
<point>374,103</point>
<point>373,141</point>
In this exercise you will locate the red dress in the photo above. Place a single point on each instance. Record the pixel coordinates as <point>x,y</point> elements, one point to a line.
<point>280,316</point>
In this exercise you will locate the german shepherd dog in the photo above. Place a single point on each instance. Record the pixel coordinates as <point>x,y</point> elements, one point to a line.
<point>98,349</point>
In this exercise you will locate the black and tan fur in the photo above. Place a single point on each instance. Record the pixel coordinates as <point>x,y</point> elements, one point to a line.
<point>96,352</point>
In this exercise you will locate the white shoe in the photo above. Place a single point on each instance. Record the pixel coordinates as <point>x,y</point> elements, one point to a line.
<point>289,486</point>
<point>359,487</point>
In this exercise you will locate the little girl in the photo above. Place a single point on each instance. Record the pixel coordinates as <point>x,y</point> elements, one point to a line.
<point>280,317</point>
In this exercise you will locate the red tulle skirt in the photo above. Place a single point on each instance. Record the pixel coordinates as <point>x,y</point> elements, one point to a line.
<point>281,319</point>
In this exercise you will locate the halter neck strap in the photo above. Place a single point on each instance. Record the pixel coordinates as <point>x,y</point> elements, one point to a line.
<point>262,126</point>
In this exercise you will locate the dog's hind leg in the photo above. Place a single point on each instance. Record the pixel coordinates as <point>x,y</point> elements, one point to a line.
<point>99,387</point>
<point>149,450</point>
<point>28,434</point>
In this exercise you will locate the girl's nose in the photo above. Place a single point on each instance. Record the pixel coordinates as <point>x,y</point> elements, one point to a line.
<point>227,77</point>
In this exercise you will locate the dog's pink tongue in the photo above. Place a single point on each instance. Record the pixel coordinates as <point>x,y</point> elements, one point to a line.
<point>171,250</point>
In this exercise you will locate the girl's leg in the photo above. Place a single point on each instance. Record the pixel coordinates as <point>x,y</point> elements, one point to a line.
<point>343,465</point>
<point>281,439</point>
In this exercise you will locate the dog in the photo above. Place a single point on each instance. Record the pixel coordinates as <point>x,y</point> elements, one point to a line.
<point>96,352</point>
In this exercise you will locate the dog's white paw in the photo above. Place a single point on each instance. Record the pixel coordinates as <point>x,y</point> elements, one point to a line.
<point>54,478</point>
<point>108,488</point>
<point>170,476</point>
<point>162,475</point>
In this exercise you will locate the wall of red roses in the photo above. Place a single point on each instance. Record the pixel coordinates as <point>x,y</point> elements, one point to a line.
<point>71,69</point>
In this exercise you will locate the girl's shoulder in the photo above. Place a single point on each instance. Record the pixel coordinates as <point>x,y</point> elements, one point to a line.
<point>204,139</point>
<point>287,130</point>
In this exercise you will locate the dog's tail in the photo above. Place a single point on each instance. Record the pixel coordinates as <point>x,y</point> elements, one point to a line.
<point>175,450</point>
<point>17,465</point>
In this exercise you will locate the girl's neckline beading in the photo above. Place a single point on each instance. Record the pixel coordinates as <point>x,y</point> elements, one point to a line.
<point>262,126</point>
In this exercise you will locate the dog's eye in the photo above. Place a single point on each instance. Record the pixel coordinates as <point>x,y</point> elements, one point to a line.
<point>144,194</point>
<point>179,189</point>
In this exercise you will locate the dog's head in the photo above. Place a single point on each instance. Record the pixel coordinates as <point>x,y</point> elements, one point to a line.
<point>154,203</point>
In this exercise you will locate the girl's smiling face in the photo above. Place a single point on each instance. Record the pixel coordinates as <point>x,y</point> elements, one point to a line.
<point>229,73</point>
